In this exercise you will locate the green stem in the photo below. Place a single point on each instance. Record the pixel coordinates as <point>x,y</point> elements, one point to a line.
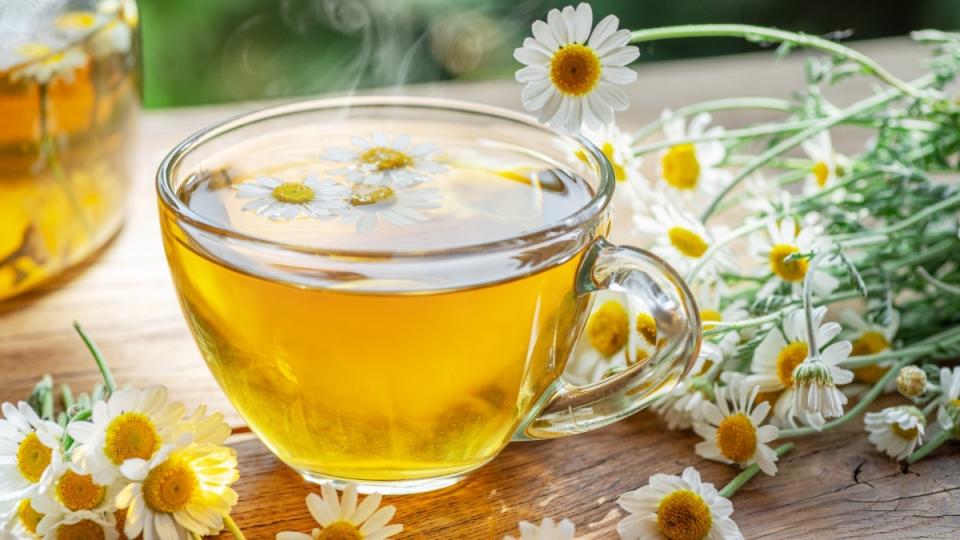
<point>945,204</point>
<point>934,443</point>
<point>791,142</point>
<point>783,163</point>
<point>854,411</point>
<point>67,395</point>
<point>756,131</point>
<point>759,33</point>
<point>108,380</point>
<point>716,105</point>
<point>232,527</point>
<point>751,471</point>
<point>920,348</point>
<point>719,244</point>
<point>49,154</point>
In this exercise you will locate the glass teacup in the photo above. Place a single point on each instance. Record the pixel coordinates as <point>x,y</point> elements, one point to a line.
<point>388,289</point>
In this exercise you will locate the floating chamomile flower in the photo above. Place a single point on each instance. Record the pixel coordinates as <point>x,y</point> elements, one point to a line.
<point>46,64</point>
<point>680,238</point>
<point>677,507</point>
<point>345,518</point>
<point>547,530</point>
<point>371,203</point>
<point>132,424</point>
<point>948,413</point>
<point>380,161</point>
<point>572,73</point>
<point>871,338</point>
<point>73,503</point>
<point>786,238</point>
<point>827,164</point>
<point>28,448</point>
<point>184,488</point>
<point>733,431</point>
<point>896,431</point>
<point>778,355</point>
<point>682,406</point>
<point>283,201</point>
<point>691,170</point>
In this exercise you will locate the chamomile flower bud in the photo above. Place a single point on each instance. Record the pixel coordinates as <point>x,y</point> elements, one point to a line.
<point>816,390</point>
<point>911,381</point>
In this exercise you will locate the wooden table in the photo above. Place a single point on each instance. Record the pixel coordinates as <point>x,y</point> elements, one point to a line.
<point>834,486</point>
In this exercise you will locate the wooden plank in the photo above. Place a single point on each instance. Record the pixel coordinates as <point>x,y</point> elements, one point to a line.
<point>831,486</point>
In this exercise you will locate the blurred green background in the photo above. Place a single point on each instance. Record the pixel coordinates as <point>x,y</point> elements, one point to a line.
<point>208,51</point>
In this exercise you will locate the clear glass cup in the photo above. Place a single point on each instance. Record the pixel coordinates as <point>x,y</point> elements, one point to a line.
<point>69,100</point>
<point>403,370</point>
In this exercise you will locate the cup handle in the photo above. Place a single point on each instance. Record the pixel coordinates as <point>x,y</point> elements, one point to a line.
<point>661,292</point>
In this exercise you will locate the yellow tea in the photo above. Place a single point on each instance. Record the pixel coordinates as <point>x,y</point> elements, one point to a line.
<point>398,369</point>
<point>68,111</point>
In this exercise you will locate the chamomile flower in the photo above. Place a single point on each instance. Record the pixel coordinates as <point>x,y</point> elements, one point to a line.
<point>46,64</point>
<point>369,204</point>
<point>779,354</point>
<point>345,518</point>
<point>682,406</point>
<point>547,530</point>
<point>672,507</point>
<point>572,72</point>
<point>77,24</point>
<point>870,337</point>
<point>21,520</point>
<point>82,525</point>
<point>709,294</point>
<point>680,238</point>
<point>733,432</point>
<point>132,424</point>
<point>617,146</point>
<point>28,447</point>
<point>282,201</point>
<point>827,164</point>
<point>948,413</point>
<point>617,335</point>
<point>184,488</point>
<point>73,501</point>
<point>896,431</point>
<point>816,380</point>
<point>380,161</point>
<point>785,239</point>
<point>114,37</point>
<point>691,170</point>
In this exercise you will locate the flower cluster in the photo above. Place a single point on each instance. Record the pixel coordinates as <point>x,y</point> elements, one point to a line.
<point>870,228</point>
<point>381,178</point>
<point>130,464</point>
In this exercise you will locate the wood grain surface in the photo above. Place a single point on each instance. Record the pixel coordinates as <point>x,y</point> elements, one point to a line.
<point>832,486</point>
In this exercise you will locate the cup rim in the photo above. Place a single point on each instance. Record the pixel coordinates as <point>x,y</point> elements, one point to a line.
<point>591,211</point>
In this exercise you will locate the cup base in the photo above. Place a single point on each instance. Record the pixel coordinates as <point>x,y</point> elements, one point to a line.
<point>392,487</point>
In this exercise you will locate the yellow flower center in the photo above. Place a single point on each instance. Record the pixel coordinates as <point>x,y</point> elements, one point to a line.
<point>770,397</point>
<point>820,172</point>
<point>683,515</point>
<point>791,271</point>
<point>81,530</point>
<point>363,194</point>
<point>737,438</point>
<point>905,434</point>
<point>789,358</point>
<point>687,242</point>
<point>121,521</point>
<point>575,70</point>
<point>647,327</point>
<point>170,486</point>
<point>386,159</point>
<point>608,328</point>
<point>130,435</point>
<point>76,20</point>
<point>708,316</point>
<point>681,169</point>
<point>33,457</point>
<point>32,51</point>
<point>619,173</point>
<point>79,492</point>
<point>340,530</point>
<point>870,343</point>
<point>29,517</point>
<point>293,193</point>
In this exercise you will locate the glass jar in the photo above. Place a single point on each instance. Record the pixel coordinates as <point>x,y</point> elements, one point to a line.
<point>69,100</point>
